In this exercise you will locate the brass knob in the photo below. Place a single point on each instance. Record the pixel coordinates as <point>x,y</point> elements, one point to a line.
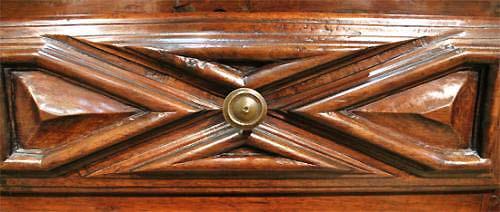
<point>244,108</point>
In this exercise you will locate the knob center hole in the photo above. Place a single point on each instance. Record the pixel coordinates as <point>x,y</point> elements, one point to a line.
<point>246,109</point>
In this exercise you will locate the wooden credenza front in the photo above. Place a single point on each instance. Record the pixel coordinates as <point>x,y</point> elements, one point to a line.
<point>406,106</point>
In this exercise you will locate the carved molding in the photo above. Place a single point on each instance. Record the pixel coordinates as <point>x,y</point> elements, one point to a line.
<point>336,100</point>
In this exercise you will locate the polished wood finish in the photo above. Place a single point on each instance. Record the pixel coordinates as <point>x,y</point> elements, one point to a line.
<point>426,202</point>
<point>449,101</point>
<point>40,8</point>
<point>133,104</point>
<point>44,104</point>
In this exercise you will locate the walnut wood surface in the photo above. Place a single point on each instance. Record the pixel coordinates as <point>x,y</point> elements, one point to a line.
<point>40,8</point>
<point>425,202</point>
<point>132,103</point>
<point>45,104</point>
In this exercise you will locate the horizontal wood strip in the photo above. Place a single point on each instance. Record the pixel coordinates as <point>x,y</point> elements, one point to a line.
<point>425,202</point>
<point>13,8</point>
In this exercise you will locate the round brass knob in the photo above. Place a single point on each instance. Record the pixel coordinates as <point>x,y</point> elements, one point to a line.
<point>244,108</point>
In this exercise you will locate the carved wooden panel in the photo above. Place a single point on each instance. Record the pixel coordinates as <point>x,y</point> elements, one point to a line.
<point>114,109</point>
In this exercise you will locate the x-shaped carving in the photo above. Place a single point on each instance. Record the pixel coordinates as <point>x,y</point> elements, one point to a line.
<point>165,86</point>
<point>169,86</point>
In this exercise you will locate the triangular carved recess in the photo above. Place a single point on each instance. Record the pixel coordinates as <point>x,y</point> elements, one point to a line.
<point>236,73</point>
<point>242,158</point>
<point>443,108</point>
<point>223,148</point>
<point>50,111</point>
<point>246,67</point>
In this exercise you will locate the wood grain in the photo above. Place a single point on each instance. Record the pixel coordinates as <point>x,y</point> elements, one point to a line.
<point>45,104</point>
<point>12,8</point>
<point>454,107</point>
<point>5,129</point>
<point>302,35</point>
<point>406,202</point>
